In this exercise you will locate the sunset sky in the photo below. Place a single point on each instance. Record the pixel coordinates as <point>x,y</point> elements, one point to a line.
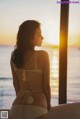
<point>47,12</point>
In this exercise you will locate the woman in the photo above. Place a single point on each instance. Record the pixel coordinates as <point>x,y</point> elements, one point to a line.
<point>31,74</point>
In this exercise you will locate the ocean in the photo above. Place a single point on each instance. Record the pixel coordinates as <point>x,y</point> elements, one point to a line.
<point>7,93</point>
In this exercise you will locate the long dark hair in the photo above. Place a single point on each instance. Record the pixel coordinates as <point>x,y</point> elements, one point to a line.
<point>25,35</point>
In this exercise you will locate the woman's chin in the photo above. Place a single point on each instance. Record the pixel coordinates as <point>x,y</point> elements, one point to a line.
<point>39,45</point>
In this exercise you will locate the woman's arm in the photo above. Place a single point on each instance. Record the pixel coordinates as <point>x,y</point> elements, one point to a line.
<point>46,78</point>
<point>15,79</point>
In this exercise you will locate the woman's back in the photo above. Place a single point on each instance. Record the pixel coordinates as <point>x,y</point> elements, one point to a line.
<point>31,80</point>
<point>30,75</point>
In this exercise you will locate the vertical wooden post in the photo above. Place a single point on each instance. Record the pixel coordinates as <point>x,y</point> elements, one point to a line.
<point>63,52</point>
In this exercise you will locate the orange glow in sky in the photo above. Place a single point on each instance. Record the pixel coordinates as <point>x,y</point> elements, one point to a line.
<point>13,13</point>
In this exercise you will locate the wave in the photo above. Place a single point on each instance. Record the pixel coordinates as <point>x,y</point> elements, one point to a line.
<point>7,92</point>
<point>5,78</point>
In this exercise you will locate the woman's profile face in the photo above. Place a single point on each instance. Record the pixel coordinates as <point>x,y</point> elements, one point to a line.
<point>37,40</point>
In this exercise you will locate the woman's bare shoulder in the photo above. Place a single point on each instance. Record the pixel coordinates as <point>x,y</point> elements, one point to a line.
<point>42,53</point>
